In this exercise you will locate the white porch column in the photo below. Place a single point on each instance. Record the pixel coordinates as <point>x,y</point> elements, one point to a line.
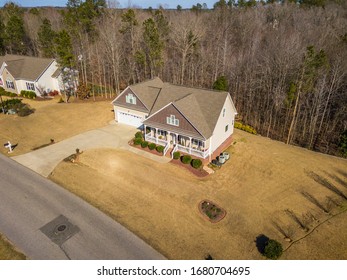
<point>145,130</point>
<point>176,138</point>
<point>156,135</point>
<point>190,145</point>
<point>167,137</point>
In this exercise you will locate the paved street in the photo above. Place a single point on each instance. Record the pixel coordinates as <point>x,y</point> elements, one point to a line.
<point>43,161</point>
<point>47,222</point>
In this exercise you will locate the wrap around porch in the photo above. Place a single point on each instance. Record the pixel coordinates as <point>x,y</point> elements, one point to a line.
<point>178,142</point>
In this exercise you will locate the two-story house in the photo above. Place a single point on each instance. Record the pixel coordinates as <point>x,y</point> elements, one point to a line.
<point>194,121</point>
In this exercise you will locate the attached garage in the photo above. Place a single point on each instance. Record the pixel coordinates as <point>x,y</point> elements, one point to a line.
<point>129,119</point>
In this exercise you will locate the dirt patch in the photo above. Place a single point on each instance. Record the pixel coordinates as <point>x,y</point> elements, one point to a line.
<point>262,181</point>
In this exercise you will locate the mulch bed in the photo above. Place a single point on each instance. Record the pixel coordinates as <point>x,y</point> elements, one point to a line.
<point>211,211</point>
<point>154,152</point>
<point>197,172</point>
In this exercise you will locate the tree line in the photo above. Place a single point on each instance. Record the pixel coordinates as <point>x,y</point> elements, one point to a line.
<point>283,62</point>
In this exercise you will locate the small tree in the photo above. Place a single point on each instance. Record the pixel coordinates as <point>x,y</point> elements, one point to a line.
<point>221,84</point>
<point>273,249</point>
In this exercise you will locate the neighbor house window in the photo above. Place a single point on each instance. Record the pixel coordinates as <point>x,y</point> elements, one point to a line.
<point>130,98</point>
<point>226,128</point>
<point>30,86</point>
<point>9,84</point>
<point>223,112</point>
<point>172,120</point>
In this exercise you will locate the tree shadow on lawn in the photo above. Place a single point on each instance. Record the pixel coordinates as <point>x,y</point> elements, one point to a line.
<point>261,242</point>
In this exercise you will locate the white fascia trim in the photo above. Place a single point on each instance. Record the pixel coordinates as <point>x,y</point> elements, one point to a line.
<point>128,87</point>
<point>171,103</point>
<point>38,78</point>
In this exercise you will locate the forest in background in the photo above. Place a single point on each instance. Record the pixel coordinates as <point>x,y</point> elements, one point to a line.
<point>283,62</point>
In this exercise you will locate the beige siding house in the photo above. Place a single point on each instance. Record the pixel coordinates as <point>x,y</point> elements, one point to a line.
<point>190,120</point>
<point>19,73</point>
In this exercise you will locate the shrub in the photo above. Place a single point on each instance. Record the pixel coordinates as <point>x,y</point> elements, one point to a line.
<point>176,155</point>
<point>144,144</point>
<point>196,163</point>
<point>186,159</point>
<point>28,94</point>
<point>7,93</point>
<point>138,141</point>
<point>53,93</point>
<point>138,134</point>
<point>273,249</point>
<point>10,103</point>
<point>160,149</point>
<point>151,146</point>
<point>245,127</point>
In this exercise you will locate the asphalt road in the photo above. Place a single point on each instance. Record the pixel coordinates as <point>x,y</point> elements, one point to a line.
<point>47,222</point>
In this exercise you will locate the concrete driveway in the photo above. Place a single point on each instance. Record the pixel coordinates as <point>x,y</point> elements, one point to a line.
<point>43,161</point>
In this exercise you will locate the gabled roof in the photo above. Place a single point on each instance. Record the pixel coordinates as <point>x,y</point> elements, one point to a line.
<point>200,107</point>
<point>25,67</point>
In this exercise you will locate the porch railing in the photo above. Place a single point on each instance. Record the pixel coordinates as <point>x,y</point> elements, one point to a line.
<point>166,148</point>
<point>194,152</point>
<point>152,139</point>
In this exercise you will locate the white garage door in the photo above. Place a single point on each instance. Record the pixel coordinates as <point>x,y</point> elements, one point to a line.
<point>129,119</point>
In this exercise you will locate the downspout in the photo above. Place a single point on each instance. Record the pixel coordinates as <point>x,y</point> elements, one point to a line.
<point>210,152</point>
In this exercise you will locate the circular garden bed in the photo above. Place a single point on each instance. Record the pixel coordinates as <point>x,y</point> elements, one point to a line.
<point>211,211</point>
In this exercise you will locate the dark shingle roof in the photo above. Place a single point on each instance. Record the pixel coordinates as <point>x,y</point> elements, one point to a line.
<point>25,67</point>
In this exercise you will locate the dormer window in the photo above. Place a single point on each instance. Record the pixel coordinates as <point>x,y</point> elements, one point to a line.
<point>130,98</point>
<point>172,120</point>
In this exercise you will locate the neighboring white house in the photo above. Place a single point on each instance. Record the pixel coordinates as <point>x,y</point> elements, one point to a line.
<point>40,75</point>
<point>195,121</point>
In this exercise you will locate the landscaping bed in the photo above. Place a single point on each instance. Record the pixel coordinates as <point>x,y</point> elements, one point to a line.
<point>211,211</point>
<point>197,172</point>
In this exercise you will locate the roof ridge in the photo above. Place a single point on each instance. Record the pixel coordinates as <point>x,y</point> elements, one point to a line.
<point>197,88</point>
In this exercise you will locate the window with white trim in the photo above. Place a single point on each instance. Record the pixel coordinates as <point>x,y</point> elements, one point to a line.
<point>130,98</point>
<point>172,120</point>
<point>9,84</point>
<point>226,128</point>
<point>223,112</point>
<point>30,86</point>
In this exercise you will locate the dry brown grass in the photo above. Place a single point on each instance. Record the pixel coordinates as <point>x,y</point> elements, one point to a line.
<point>8,251</point>
<point>266,188</point>
<point>262,183</point>
<point>52,120</point>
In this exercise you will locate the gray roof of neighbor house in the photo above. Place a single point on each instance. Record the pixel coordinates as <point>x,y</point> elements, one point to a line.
<point>201,107</point>
<point>25,67</point>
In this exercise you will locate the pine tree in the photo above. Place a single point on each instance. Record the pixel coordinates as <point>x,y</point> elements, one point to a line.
<point>221,84</point>
<point>64,49</point>
<point>46,39</point>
